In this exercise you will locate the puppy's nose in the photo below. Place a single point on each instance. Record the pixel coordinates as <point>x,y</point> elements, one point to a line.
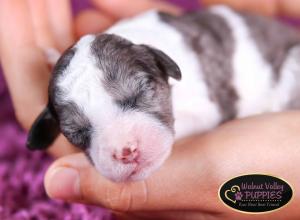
<point>127,155</point>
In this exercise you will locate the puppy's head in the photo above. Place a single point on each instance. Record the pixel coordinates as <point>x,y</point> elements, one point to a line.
<point>112,99</point>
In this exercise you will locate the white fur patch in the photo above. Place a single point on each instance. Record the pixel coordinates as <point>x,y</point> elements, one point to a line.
<point>82,84</point>
<point>193,110</point>
<point>252,74</point>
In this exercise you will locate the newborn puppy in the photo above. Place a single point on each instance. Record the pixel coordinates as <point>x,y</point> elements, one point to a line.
<point>116,95</point>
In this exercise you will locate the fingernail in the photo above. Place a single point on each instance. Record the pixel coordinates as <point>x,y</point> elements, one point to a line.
<point>63,183</point>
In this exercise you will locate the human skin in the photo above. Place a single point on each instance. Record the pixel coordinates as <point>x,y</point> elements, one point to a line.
<point>186,186</point>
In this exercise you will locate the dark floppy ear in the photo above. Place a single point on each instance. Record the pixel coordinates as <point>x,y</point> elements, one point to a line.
<point>44,130</point>
<point>165,63</point>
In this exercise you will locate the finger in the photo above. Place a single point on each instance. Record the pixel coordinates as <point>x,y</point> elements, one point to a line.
<point>127,8</point>
<point>91,21</point>
<point>15,12</point>
<point>23,63</point>
<point>41,25</point>
<point>269,7</point>
<point>61,23</point>
<point>62,147</point>
<point>289,8</point>
<point>25,67</point>
<point>80,182</point>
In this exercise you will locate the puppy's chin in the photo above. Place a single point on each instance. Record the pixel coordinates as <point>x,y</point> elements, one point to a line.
<point>132,149</point>
<point>118,171</point>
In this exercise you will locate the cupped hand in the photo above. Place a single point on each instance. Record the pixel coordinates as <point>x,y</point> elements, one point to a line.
<point>186,187</point>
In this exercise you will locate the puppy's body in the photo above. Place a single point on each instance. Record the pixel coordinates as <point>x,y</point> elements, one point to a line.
<point>110,93</point>
<point>233,65</point>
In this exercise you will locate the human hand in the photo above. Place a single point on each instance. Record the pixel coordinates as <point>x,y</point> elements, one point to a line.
<point>271,7</point>
<point>30,27</point>
<point>186,187</point>
<point>27,28</point>
<point>169,197</point>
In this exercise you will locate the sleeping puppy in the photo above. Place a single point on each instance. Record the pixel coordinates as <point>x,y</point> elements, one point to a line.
<point>118,95</point>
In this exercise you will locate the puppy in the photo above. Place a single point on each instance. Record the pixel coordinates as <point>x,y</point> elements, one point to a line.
<point>118,95</point>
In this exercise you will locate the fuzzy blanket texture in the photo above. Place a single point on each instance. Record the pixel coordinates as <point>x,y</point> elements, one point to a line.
<point>22,195</point>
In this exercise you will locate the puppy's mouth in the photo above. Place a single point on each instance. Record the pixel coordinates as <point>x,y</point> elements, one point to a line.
<point>130,168</point>
<point>140,169</point>
<point>130,174</point>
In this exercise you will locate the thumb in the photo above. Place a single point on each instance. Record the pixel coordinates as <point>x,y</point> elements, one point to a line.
<point>73,178</point>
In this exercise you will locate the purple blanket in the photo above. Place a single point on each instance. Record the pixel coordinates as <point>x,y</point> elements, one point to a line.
<point>22,195</point>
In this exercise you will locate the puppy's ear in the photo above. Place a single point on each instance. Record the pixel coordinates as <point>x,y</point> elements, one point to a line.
<point>165,63</point>
<point>44,130</point>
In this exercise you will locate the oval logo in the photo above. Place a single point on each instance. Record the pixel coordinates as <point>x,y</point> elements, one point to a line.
<point>255,193</point>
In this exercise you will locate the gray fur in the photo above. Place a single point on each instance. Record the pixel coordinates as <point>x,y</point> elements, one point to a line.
<point>211,38</point>
<point>273,38</point>
<point>134,77</point>
<point>73,123</point>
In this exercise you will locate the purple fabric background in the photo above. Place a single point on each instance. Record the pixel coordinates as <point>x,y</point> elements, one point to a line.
<point>22,195</point>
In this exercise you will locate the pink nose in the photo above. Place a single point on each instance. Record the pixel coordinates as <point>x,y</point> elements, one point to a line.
<point>128,155</point>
